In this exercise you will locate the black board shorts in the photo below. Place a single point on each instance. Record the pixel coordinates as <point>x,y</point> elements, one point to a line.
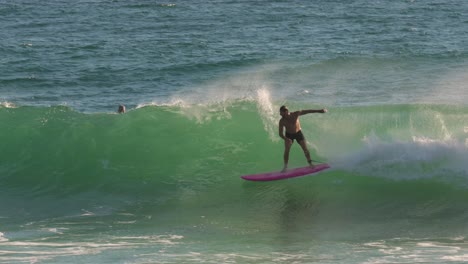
<point>295,136</point>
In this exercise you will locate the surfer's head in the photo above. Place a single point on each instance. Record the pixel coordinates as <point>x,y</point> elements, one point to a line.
<point>284,110</point>
<point>121,109</point>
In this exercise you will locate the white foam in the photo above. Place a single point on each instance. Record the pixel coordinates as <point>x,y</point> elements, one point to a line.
<point>239,86</point>
<point>7,104</point>
<point>212,100</point>
<point>42,251</point>
<point>2,237</point>
<point>465,129</point>
<point>456,258</point>
<point>267,112</point>
<point>422,157</point>
<point>171,103</point>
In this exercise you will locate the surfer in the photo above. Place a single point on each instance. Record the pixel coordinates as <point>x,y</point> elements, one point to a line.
<point>290,122</point>
<point>121,109</point>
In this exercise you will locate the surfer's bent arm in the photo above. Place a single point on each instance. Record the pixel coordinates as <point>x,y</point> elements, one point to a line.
<point>310,111</point>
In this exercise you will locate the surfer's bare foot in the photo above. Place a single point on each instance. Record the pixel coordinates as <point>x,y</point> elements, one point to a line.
<point>284,170</point>
<point>311,165</point>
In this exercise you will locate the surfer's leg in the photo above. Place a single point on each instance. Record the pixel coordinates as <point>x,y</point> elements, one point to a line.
<point>303,144</point>
<point>287,148</point>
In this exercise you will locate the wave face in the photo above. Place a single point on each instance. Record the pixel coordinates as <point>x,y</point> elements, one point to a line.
<point>161,150</point>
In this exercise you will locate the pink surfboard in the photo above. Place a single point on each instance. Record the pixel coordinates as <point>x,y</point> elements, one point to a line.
<point>291,173</point>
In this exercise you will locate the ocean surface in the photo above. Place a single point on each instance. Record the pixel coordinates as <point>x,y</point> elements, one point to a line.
<point>203,82</point>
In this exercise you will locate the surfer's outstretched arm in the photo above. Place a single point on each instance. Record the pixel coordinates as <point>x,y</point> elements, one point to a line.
<point>310,111</point>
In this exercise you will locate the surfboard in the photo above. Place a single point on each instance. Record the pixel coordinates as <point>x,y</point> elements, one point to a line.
<point>290,173</point>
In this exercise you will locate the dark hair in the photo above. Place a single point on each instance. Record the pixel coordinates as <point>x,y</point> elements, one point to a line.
<point>283,108</point>
<point>121,109</point>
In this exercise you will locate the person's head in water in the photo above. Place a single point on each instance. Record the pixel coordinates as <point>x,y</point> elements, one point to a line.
<point>284,110</point>
<point>121,109</point>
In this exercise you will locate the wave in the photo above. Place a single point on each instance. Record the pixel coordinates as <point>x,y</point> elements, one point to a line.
<point>392,160</point>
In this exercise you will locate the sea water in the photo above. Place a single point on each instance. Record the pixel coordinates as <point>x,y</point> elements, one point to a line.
<point>203,82</point>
